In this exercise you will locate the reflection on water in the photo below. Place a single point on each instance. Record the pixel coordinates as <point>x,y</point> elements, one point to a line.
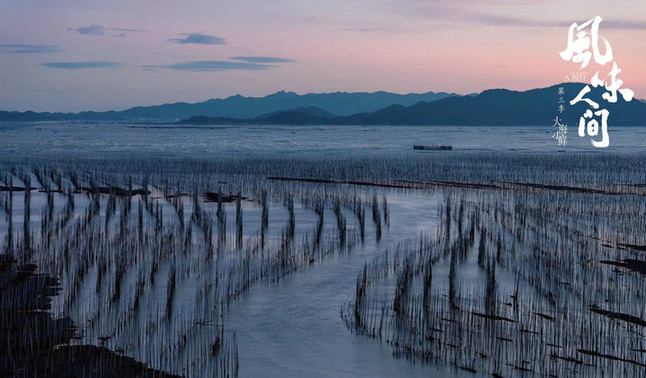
<point>110,138</point>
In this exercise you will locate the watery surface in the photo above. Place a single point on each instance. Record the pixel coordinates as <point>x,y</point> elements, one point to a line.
<point>293,328</point>
<point>55,138</point>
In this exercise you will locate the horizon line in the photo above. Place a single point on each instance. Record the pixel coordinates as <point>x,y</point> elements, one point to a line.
<point>292,92</point>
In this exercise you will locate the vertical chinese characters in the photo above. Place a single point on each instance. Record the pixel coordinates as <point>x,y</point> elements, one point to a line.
<point>580,41</point>
<point>561,133</point>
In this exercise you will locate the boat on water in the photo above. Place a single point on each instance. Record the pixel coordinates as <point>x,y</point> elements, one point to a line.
<point>432,147</point>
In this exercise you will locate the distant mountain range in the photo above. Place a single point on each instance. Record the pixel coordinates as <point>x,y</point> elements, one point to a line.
<point>240,107</point>
<point>492,107</point>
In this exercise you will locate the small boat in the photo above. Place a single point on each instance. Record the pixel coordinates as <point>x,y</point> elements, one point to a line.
<point>432,147</point>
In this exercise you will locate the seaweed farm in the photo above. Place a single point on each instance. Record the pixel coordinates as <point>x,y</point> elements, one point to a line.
<point>283,189</point>
<point>500,263</point>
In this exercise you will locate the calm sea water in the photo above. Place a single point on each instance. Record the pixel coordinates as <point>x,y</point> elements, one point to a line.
<point>64,138</point>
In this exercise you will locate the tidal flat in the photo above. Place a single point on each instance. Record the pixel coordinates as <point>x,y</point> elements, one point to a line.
<point>283,262</point>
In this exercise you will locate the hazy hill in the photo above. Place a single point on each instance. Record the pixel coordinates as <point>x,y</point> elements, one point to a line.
<point>502,107</point>
<point>491,107</point>
<point>240,107</point>
<point>309,110</point>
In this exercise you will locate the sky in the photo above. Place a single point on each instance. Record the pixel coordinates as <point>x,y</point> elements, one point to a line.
<point>99,55</point>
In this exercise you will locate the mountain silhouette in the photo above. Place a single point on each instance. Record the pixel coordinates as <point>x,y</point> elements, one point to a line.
<point>491,107</point>
<point>505,108</point>
<point>501,107</point>
<point>240,107</point>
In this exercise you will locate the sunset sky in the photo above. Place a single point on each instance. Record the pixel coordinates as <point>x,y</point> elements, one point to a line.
<point>101,55</point>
